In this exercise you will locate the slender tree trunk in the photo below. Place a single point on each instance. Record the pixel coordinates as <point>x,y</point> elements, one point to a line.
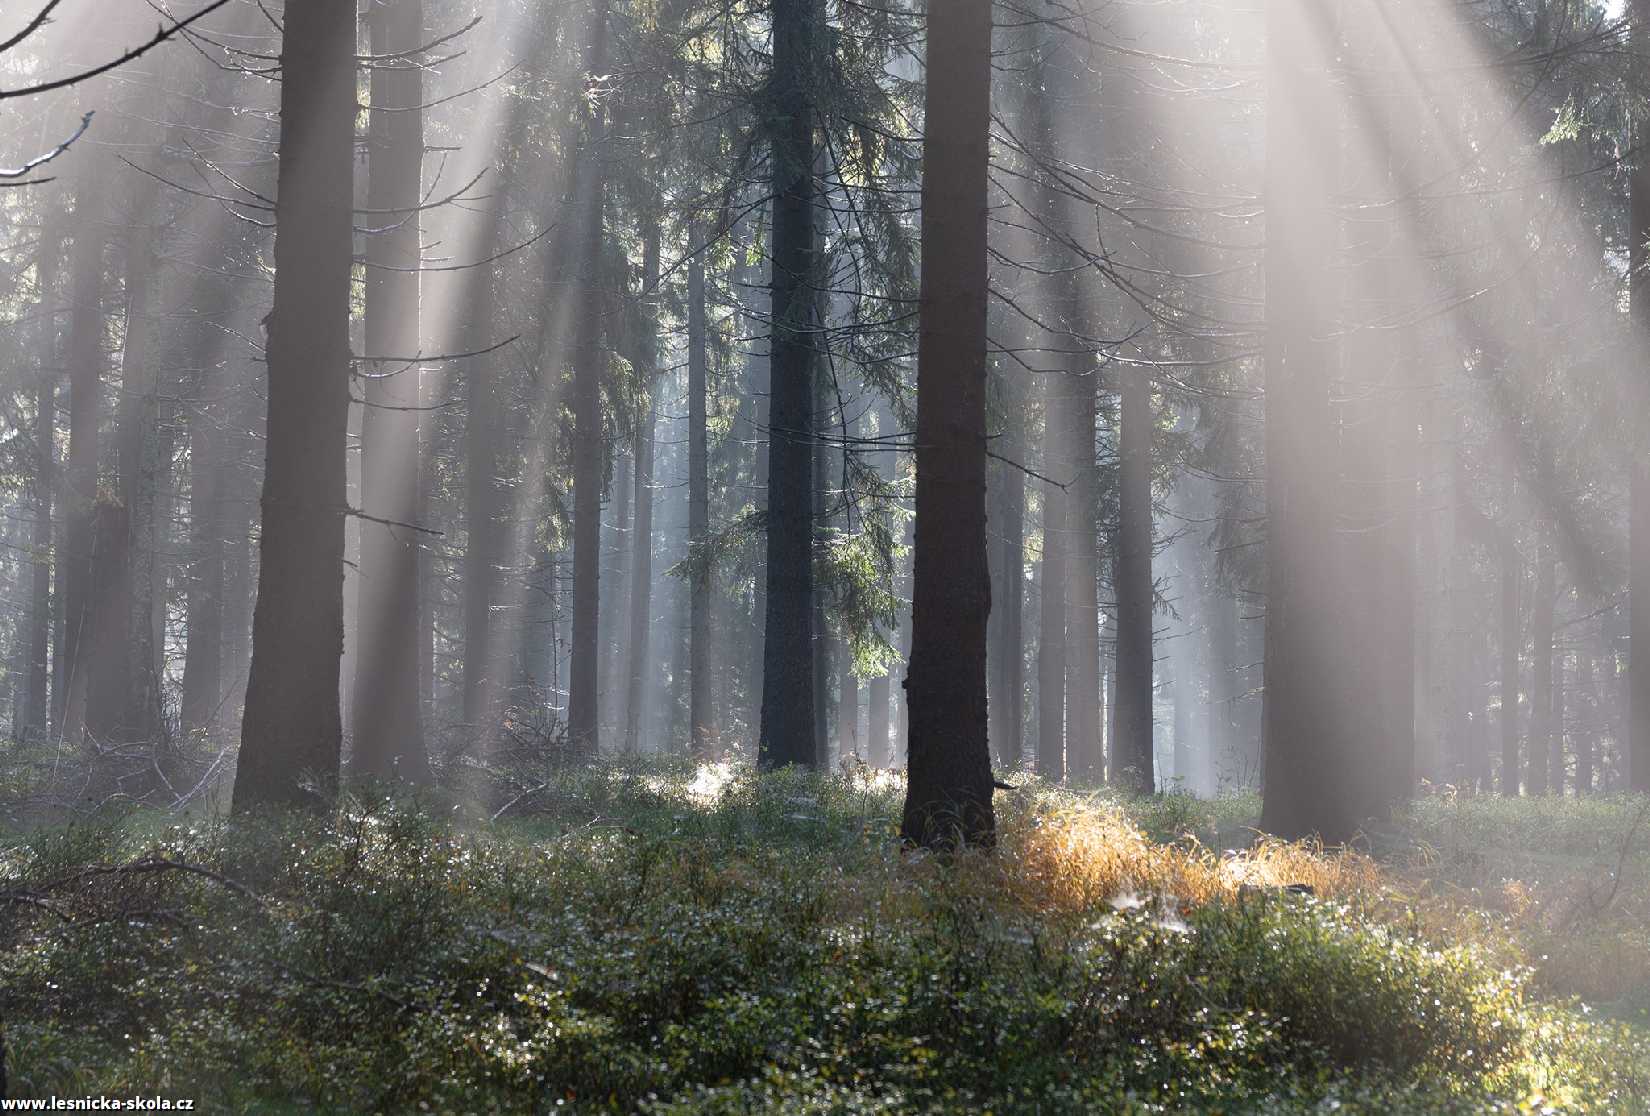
<point>388,725</point>
<point>1558,768</point>
<point>292,733</point>
<point>589,440</point>
<point>1132,758</point>
<point>1008,586</point>
<point>141,455</point>
<point>1586,721</point>
<point>1541,685</point>
<point>36,716</point>
<point>789,697</point>
<point>641,584</point>
<point>85,357</point>
<point>950,784</point>
<point>1512,637</point>
<point>701,730</point>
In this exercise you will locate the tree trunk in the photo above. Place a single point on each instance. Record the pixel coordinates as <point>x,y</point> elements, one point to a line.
<point>949,789</point>
<point>1638,559</point>
<point>1308,778</point>
<point>789,696</point>
<point>36,715</point>
<point>292,734</point>
<point>1512,637</point>
<point>641,571</point>
<point>1007,623</point>
<point>700,728</point>
<point>1132,758</point>
<point>85,357</point>
<point>1541,683</point>
<point>388,725</point>
<point>589,441</point>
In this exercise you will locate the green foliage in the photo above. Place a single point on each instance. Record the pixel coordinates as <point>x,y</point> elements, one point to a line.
<point>673,940</point>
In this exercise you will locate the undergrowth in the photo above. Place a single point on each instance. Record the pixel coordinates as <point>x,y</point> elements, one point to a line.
<point>672,940</point>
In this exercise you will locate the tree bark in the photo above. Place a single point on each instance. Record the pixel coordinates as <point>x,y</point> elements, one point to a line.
<point>1132,756</point>
<point>950,784</point>
<point>292,734</point>
<point>789,696</point>
<point>589,441</point>
<point>388,725</point>
<point>700,727</point>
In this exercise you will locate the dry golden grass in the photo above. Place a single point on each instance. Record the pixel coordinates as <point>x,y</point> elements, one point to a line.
<point>1069,855</point>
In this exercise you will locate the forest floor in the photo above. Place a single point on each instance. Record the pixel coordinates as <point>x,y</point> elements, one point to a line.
<point>668,940</point>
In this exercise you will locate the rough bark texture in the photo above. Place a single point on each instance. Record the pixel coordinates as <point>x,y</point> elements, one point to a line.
<point>788,693</point>
<point>949,790</point>
<point>292,733</point>
<point>387,726</point>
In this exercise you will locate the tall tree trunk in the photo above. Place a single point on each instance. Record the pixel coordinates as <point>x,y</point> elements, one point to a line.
<point>1541,683</point>
<point>789,696</point>
<point>85,357</point>
<point>949,789</point>
<point>641,570</point>
<point>141,452</point>
<point>1512,637</point>
<point>388,724</point>
<point>1007,623</point>
<point>700,727</point>
<point>35,719</point>
<point>1132,757</point>
<point>1308,778</point>
<point>1555,782</point>
<point>589,441</point>
<point>1586,715</point>
<point>1638,560</point>
<point>292,732</point>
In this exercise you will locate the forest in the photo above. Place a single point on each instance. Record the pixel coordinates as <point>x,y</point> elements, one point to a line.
<point>825,556</point>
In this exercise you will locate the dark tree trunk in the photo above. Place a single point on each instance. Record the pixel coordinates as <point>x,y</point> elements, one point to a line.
<point>949,789</point>
<point>1132,758</point>
<point>701,729</point>
<point>387,728</point>
<point>292,732</point>
<point>789,697</point>
<point>589,440</point>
